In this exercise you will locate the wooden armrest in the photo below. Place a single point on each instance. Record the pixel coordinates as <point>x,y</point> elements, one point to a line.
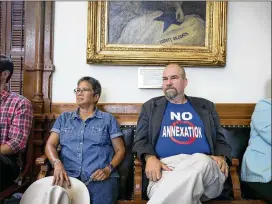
<point>41,160</point>
<point>235,162</point>
<point>137,179</point>
<point>235,180</point>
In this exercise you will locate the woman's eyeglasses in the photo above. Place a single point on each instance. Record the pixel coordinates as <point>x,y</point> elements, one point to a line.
<point>79,90</point>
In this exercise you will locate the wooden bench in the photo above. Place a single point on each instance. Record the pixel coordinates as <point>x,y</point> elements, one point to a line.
<point>131,172</point>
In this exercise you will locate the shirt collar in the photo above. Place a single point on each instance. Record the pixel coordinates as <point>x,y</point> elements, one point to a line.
<point>4,94</point>
<point>97,114</point>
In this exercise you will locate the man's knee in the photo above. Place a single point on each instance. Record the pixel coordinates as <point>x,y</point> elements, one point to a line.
<point>202,160</point>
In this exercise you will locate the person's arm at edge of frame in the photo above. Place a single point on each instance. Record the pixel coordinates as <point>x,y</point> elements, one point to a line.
<point>23,117</point>
<point>261,119</point>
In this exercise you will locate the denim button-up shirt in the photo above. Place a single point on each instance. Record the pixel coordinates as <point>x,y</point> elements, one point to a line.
<point>86,145</point>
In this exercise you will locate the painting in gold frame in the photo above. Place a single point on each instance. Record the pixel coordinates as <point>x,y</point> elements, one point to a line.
<point>196,46</point>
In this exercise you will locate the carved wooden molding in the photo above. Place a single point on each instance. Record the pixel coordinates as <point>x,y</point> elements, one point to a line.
<point>38,65</point>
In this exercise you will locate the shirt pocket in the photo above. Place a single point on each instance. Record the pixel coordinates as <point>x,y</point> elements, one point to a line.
<point>258,151</point>
<point>66,134</point>
<point>99,135</point>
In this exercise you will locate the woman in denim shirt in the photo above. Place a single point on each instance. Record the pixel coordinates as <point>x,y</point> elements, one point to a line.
<point>91,145</point>
<point>256,164</point>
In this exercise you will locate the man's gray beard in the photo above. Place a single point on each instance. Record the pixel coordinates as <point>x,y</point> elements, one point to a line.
<point>171,94</point>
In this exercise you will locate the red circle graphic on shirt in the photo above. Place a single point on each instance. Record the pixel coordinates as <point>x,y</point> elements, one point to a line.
<point>190,141</point>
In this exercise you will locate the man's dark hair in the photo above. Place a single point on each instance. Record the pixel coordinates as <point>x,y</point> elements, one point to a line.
<point>94,82</point>
<point>6,64</point>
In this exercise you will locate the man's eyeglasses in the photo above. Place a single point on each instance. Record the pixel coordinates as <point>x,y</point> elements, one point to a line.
<point>79,90</point>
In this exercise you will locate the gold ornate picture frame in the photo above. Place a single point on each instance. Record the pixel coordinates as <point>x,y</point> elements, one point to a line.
<point>103,48</point>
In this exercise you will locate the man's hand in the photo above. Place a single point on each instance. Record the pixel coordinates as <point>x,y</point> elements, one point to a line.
<point>153,168</point>
<point>101,174</point>
<point>60,175</point>
<point>6,150</point>
<point>221,162</point>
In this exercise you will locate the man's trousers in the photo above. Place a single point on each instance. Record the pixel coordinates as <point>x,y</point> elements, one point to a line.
<point>194,178</point>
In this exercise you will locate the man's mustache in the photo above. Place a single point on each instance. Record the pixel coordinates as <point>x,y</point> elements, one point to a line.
<point>170,87</point>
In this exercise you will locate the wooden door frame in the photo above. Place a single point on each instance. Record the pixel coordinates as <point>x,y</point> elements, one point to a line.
<point>38,67</point>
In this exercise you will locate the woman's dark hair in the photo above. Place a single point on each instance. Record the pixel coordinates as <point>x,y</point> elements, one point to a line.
<point>94,82</point>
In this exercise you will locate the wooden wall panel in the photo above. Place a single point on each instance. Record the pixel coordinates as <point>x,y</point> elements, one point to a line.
<point>38,54</point>
<point>12,30</point>
<point>38,66</point>
<point>2,27</point>
<point>230,113</point>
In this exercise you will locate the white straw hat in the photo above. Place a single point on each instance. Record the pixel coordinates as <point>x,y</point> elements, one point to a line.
<point>42,192</point>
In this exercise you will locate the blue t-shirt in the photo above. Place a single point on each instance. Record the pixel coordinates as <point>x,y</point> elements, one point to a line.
<point>182,132</point>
